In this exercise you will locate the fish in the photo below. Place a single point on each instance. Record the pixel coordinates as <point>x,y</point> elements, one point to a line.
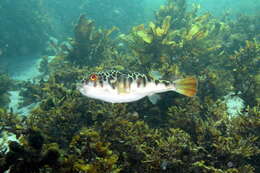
<point>122,87</point>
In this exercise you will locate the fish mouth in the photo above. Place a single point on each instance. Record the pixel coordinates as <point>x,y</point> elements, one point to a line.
<point>79,86</point>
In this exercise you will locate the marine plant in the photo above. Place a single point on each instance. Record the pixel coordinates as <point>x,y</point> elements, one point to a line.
<point>30,155</point>
<point>10,121</point>
<point>216,135</point>
<point>6,85</point>
<point>177,134</point>
<point>245,63</point>
<point>177,9</point>
<point>94,154</point>
<point>90,44</point>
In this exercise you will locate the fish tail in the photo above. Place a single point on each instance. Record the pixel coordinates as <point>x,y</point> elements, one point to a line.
<point>186,86</point>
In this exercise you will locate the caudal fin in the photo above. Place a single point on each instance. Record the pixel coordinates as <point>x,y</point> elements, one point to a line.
<point>186,86</point>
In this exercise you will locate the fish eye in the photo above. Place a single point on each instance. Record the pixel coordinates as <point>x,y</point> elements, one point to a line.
<point>93,77</point>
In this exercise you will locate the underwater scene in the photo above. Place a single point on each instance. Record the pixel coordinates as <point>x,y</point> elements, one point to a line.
<point>129,86</point>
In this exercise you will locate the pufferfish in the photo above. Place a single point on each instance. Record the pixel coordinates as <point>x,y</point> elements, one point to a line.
<point>122,87</point>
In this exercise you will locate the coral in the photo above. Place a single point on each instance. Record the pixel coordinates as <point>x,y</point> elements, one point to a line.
<point>235,104</point>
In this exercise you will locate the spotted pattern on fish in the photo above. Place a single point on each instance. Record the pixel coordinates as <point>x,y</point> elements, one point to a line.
<point>114,78</point>
<point>120,87</point>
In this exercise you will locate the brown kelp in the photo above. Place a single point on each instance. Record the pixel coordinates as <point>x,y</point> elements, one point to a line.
<point>90,44</point>
<point>177,134</point>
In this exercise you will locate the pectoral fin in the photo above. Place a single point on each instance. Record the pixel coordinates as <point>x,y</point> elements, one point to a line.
<point>154,98</point>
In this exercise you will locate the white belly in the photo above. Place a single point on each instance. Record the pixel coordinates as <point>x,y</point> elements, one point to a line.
<point>108,94</point>
<point>121,98</point>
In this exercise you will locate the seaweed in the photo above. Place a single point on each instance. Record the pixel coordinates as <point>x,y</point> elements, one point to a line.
<point>89,44</point>
<point>6,85</point>
<point>66,132</point>
<point>30,156</point>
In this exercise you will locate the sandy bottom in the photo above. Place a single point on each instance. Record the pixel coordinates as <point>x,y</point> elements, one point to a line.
<point>22,69</point>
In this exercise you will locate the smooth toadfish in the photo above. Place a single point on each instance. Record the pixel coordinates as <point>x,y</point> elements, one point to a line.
<point>121,87</point>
